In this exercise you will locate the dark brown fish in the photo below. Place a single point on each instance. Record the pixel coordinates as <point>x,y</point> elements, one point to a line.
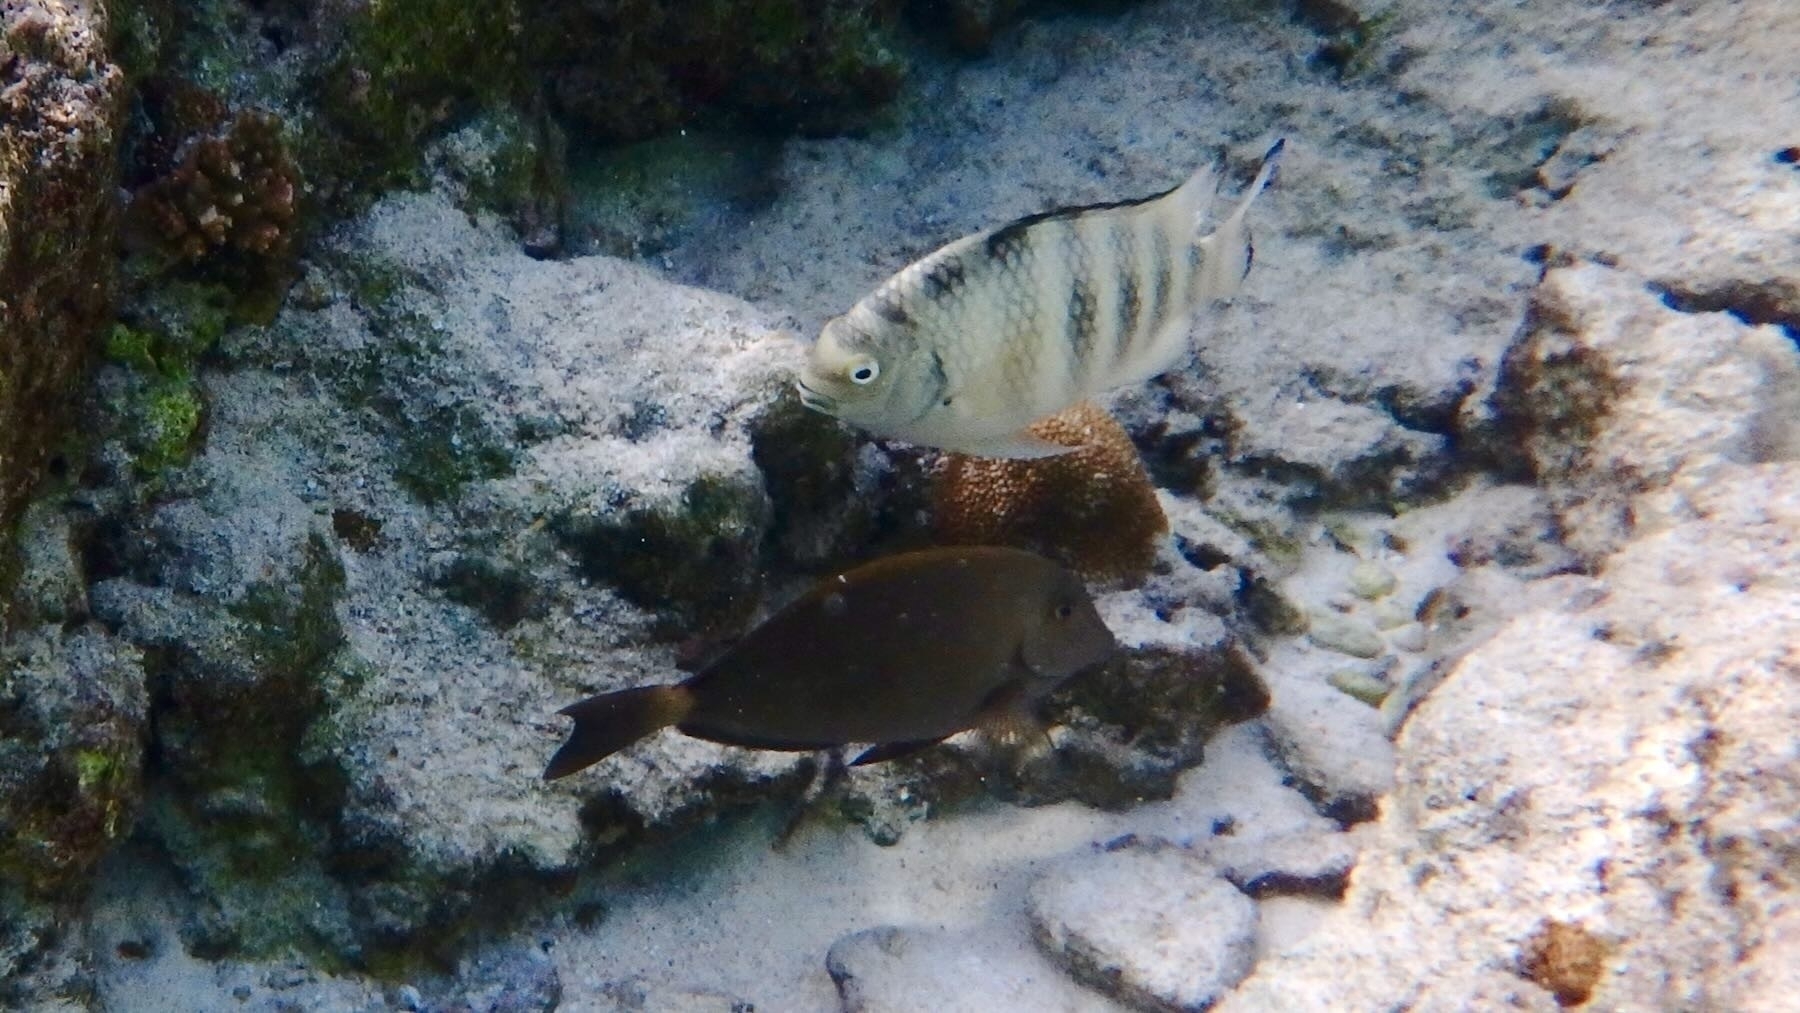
<point>900,653</point>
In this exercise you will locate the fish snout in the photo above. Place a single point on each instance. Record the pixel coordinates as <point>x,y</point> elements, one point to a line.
<point>822,403</point>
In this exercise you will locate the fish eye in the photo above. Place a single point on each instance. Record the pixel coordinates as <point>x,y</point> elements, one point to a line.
<point>865,373</point>
<point>1065,610</point>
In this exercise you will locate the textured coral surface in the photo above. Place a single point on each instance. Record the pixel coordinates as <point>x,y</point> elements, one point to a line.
<point>1093,508</point>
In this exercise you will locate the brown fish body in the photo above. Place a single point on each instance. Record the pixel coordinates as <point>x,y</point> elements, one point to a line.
<point>906,650</point>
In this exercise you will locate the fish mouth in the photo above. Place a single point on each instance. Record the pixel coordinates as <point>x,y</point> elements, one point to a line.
<point>822,403</point>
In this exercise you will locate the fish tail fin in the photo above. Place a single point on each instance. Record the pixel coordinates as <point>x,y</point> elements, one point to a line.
<point>609,722</point>
<point>1226,254</point>
<point>1193,200</point>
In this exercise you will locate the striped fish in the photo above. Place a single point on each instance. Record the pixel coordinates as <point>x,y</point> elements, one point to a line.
<point>965,348</point>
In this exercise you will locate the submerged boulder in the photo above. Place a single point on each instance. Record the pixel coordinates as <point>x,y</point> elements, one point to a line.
<point>62,105</point>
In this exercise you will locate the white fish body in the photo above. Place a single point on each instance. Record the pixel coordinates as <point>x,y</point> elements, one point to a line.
<point>966,347</point>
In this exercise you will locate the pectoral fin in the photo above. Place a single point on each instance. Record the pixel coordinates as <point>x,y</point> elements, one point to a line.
<point>1006,719</point>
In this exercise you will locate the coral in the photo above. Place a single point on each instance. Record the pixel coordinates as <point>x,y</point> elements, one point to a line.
<point>61,107</point>
<point>229,205</point>
<point>1094,509</point>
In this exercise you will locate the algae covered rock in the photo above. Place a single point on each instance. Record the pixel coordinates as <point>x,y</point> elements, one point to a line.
<point>62,104</point>
<point>76,710</point>
<point>459,491</point>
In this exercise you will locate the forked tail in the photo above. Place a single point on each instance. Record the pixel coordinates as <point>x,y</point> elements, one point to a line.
<point>1227,253</point>
<point>609,722</point>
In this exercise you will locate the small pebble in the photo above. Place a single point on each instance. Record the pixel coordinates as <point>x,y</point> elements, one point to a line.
<point>1370,580</point>
<point>1410,637</point>
<point>1389,614</point>
<point>1360,685</point>
<point>1344,635</point>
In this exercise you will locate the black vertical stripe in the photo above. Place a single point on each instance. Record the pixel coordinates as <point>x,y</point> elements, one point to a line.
<point>888,306</point>
<point>1082,325</point>
<point>944,277</point>
<point>1160,279</point>
<point>1125,258</point>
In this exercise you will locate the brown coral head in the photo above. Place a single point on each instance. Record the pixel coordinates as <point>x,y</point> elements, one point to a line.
<point>230,202</point>
<point>1566,960</point>
<point>1094,509</point>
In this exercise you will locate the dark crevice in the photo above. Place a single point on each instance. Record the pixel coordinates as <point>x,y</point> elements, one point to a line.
<point>1755,303</point>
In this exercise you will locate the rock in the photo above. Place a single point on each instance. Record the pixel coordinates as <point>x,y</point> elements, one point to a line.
<point>1121,735</point>
<point>1312,862</point>
<point>76,713</point>
<point>517,978</point>
<point>1361,685</point>
<point>1613,395</point>
<point>62,107</point>
<point>1331,744</point>
<point>1344,634</point>
<point>636,996</point>
<point>891,969</point>
<point>630,73</point>
<point>1370,581</point>
<point>1151,925</point>
<point>1126,733</point>
<point>1644,775</point>
<point>424,517</point>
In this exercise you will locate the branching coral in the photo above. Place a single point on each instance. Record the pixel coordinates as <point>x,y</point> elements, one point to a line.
<point>231,194</point>
<point>1094,508</point>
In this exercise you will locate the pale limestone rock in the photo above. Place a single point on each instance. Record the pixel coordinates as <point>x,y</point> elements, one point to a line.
<point>1616,765</point>
<point>1153,925</point>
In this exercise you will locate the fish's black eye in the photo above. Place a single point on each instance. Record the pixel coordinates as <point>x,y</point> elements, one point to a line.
<point>865,373</point>
<point>1065,610</point>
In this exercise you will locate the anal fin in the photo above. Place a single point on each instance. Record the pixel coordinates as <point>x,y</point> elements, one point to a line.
<point>894,751</point>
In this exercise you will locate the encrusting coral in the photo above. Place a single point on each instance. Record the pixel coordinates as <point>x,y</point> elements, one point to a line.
<point>1094,508</point>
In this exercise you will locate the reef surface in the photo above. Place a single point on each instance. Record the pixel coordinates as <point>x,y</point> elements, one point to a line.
<point>1464,650</point>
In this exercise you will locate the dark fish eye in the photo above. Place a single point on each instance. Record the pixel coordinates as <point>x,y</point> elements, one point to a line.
<point>864,373</point>
<point>1065,610</point>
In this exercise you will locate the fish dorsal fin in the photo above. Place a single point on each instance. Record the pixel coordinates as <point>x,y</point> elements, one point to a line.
<point>1225,256</point>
